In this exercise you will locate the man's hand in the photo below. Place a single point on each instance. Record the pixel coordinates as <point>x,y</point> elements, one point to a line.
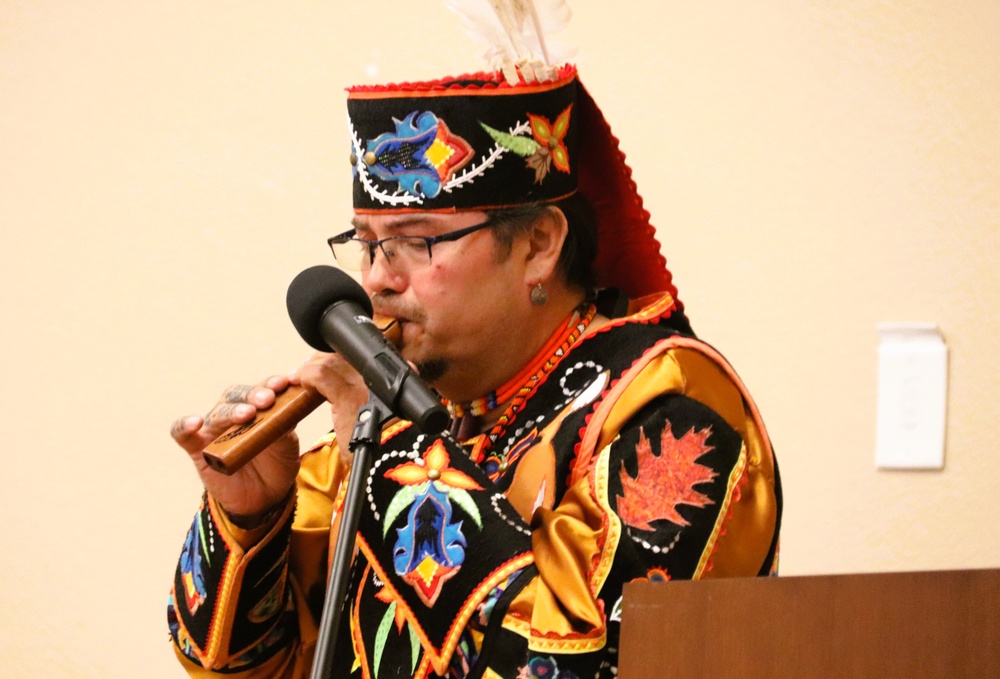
<point>264,481</point>
<point>342,386</point>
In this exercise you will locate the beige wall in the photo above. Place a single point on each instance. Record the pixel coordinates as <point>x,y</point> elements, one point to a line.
<point>166,168</point>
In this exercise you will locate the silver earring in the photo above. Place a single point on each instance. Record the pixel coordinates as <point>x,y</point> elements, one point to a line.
<point>538,295</point>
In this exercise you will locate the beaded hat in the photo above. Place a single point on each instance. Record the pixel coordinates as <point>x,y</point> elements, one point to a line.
<point>492,140</point>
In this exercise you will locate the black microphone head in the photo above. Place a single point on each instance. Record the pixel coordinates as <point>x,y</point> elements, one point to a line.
<point>314,291</point>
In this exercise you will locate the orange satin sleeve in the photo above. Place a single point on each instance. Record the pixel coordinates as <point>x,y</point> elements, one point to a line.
<point>321,483</point>
<point>560,606</point>
<point>749,527</point>
<point>743,535</point>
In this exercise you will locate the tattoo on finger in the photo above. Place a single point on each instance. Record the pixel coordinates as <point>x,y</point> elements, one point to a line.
<point>237,394</point>
<point>226,412</point>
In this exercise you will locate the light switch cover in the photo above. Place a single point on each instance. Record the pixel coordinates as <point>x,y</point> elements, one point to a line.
<point>912,396</point>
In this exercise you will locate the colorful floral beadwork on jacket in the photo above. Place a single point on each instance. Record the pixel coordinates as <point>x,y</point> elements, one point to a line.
<point>430,547</point>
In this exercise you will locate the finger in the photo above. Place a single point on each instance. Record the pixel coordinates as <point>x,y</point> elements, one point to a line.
<point>238,393</point>
<point>183,427</point>
<point>295,375</point>
<point>335,363</point>
<point>329,372</point>
<point>276,383</point>
<point>260,395</point>
<point>264,394</point>
<point>186,432</point>
<point>318,357</point>
<point>225,415</point>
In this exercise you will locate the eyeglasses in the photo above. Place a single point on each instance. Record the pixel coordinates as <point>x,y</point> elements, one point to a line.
<point>403,253</point>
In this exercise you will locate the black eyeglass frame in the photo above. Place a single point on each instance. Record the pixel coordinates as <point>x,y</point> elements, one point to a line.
<point>428,240</point>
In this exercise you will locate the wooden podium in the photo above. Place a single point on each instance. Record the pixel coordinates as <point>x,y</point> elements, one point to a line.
<point>941,624</point>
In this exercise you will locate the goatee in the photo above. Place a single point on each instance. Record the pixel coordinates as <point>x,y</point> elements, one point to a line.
<point>432,369</point>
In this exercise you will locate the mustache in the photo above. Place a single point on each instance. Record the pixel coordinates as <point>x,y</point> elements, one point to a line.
<point>394,309</point>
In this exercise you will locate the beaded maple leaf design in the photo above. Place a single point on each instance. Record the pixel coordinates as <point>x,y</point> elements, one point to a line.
<point>665,481</point>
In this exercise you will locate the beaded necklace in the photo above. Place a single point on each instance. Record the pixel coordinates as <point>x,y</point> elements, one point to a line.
<point>523,383</point>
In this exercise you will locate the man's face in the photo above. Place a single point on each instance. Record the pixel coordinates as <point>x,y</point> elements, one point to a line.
<point>457,311</point>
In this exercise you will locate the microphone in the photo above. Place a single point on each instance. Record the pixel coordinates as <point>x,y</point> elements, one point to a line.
<point>332,312</point>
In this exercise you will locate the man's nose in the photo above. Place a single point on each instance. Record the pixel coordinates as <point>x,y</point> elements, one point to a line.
<point>381,275</point>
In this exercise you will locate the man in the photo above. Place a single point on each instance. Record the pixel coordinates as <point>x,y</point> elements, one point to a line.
<point>595,441</point>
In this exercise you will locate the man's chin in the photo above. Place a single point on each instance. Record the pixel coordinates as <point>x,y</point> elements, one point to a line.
<point>432,370</point>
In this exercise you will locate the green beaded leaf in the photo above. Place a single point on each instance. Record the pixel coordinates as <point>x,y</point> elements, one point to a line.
<point>404,498</point>
<point>201,536</point>
<point>414,647</point>
<point>522,146</point>
<point>383,632</point>
<point>463,500</point>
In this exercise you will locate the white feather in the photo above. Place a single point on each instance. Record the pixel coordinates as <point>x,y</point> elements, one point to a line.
<point>546,17</point>
<point>516,34</point>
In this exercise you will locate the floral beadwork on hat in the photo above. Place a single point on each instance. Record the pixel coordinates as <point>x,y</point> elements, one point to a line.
<point>545,148</point>
<point>420,155</point>
<point>463,143</point>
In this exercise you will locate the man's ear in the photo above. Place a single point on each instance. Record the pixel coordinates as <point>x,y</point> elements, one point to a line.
<point>545,242</point>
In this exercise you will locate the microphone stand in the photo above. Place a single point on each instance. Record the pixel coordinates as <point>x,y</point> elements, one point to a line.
<point>365,443</point>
